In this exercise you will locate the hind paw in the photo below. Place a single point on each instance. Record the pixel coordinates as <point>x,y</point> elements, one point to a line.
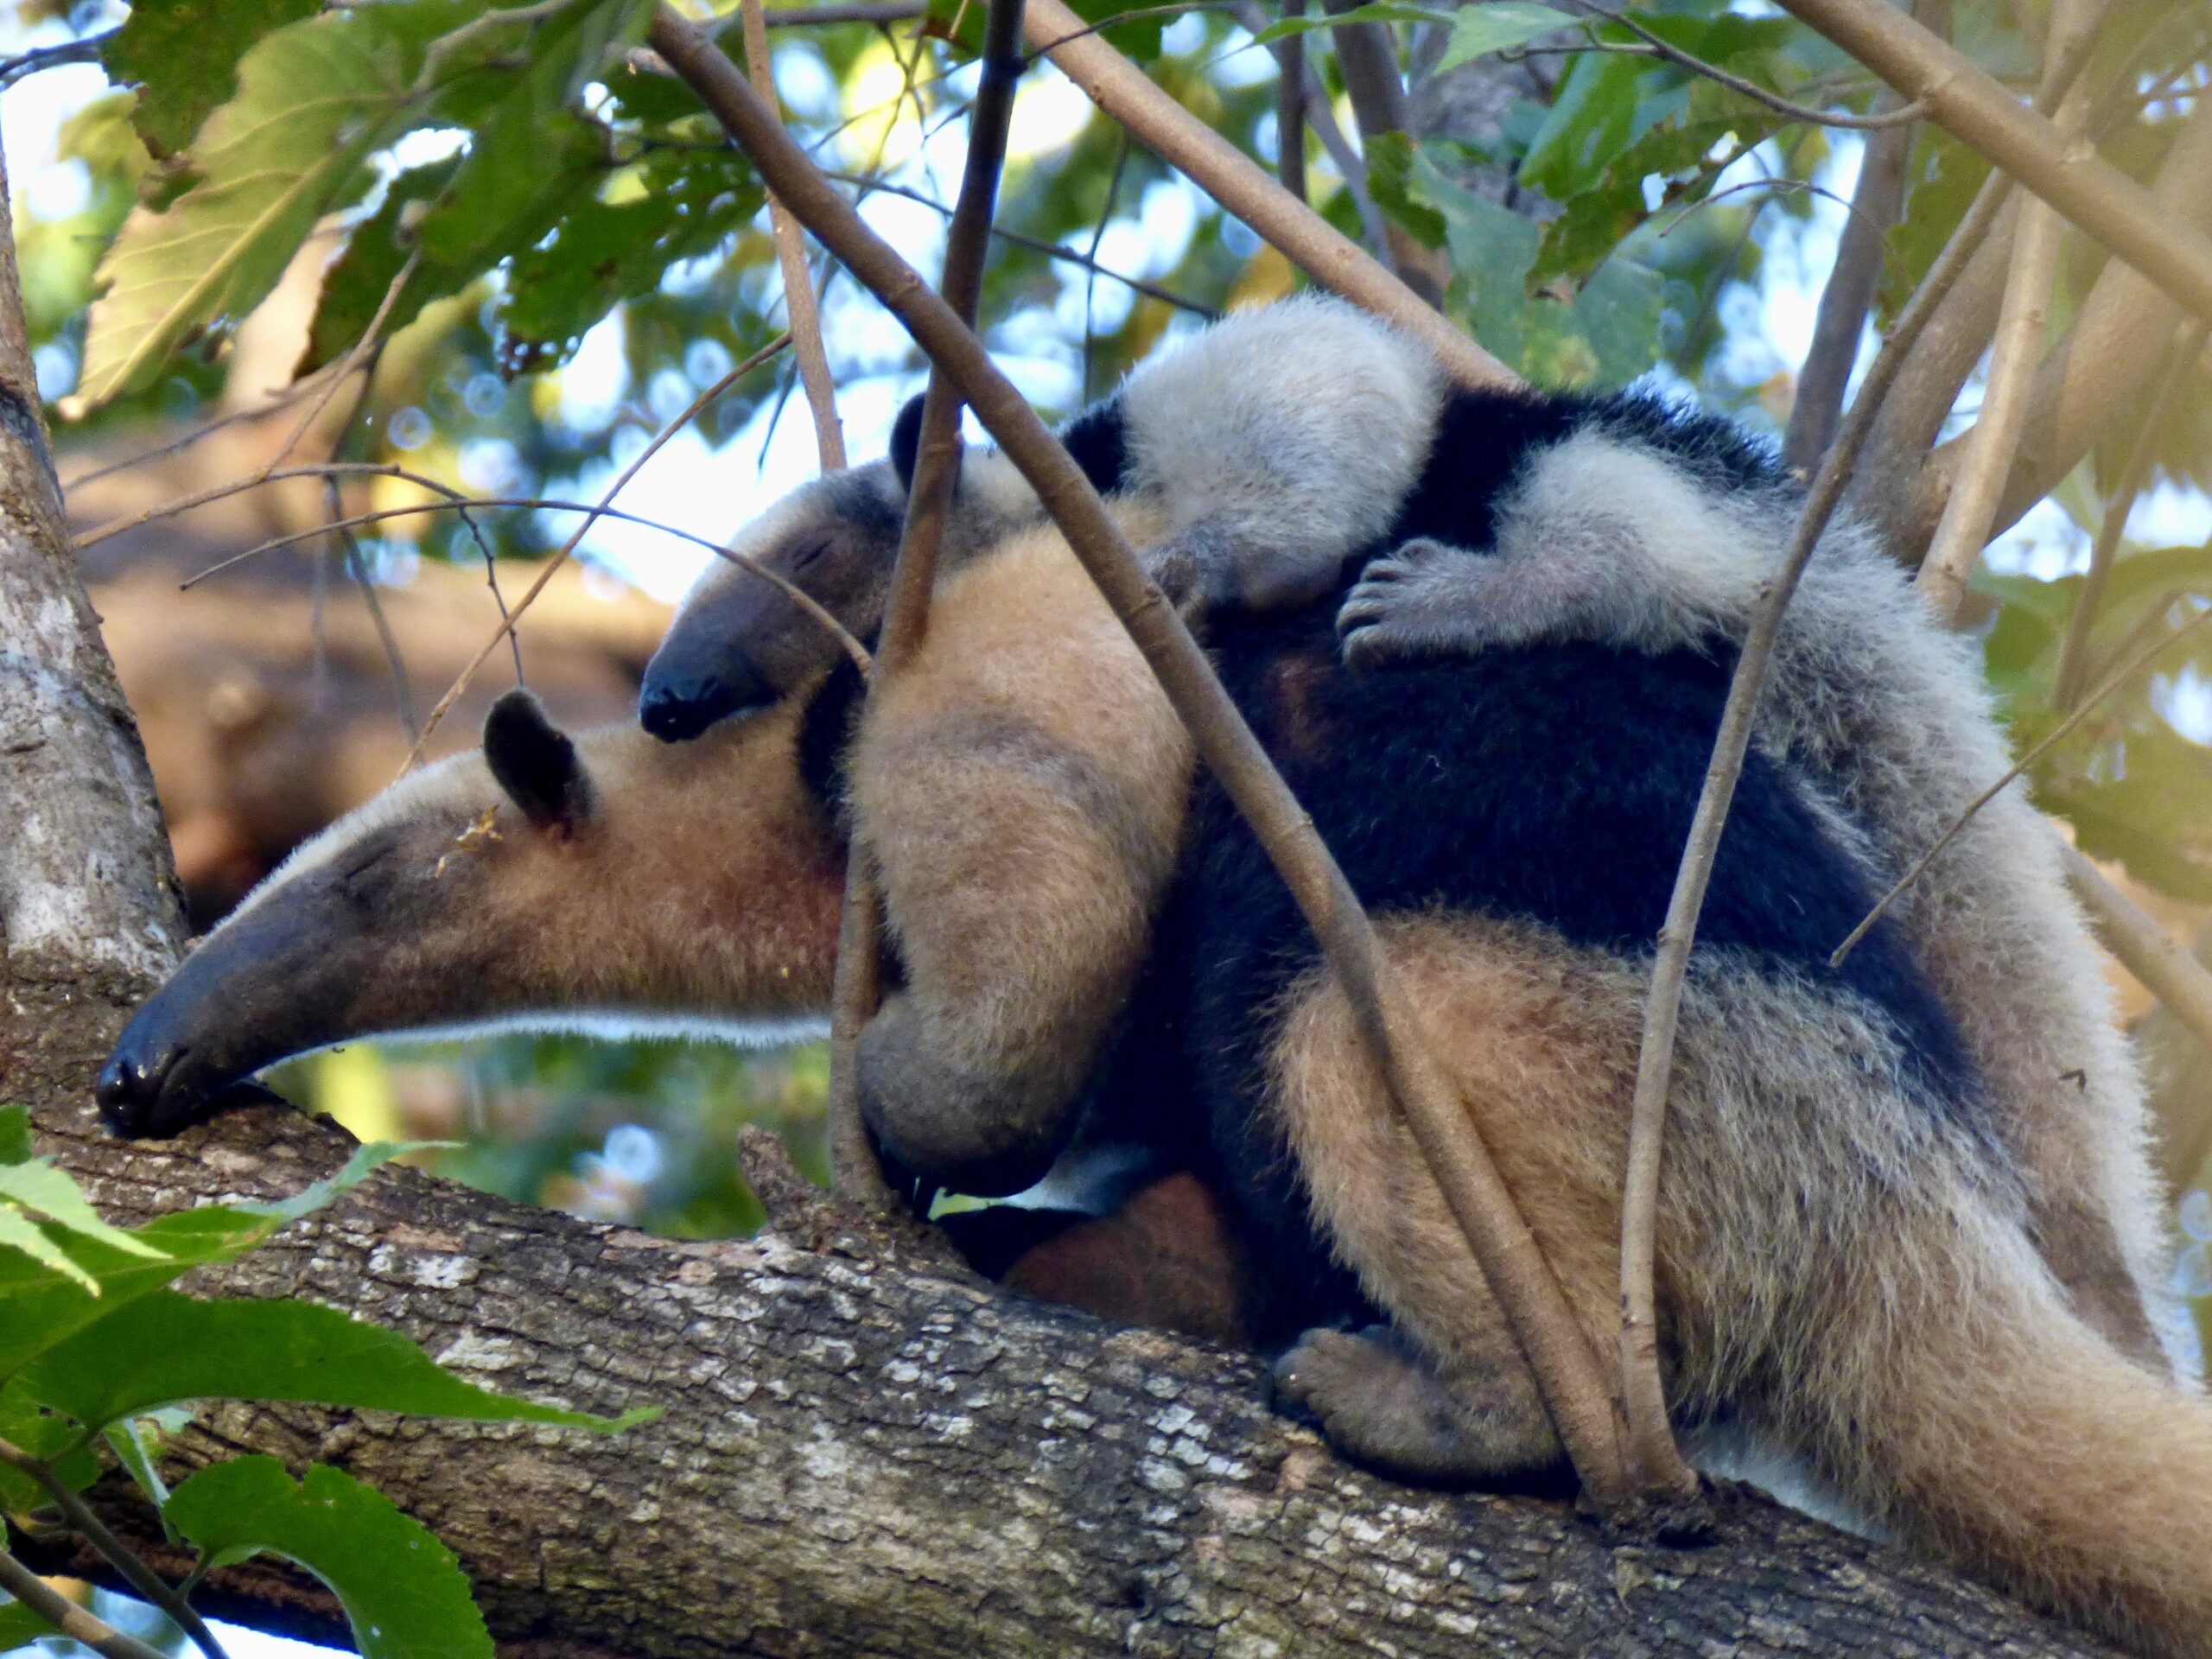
<point>1380,1403</point>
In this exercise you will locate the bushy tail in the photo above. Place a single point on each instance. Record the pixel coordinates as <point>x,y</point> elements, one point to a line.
<point>1997,1429</point>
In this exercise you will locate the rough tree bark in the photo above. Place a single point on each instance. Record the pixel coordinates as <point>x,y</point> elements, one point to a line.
<point>862,1451</point>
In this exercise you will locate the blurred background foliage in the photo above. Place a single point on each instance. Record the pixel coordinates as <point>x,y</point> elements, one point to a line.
<point>583,254</point>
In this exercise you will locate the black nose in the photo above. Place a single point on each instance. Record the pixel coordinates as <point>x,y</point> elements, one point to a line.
<point>681,699</point>
<point>131,1087</point>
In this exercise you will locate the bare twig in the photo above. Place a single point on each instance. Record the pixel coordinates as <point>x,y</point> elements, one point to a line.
<point>1659,48</point>
<point>87,50</point>
<point>67,1617</point>
<point>1445,1127</point>
<point>1807,186</point>
<point>1825,375</point>
<point>2165,969</point>
<point>1342,157</point>
<point>1239,184</point>
<point>1035,243</point>
<point>2066,172</point>
<point>1097,237</point>
<point>325,390</point>
<point>1367,55</point>
<point>456,503</point>
<point>1290,106</point>
<point>402,690</point>
<point>856,989</point>
<point>508,623</point>
<point>306,387</point>
<point>2074,652</point>
<point>800,312</point>
<point>1651,1438</point>
<point>2113,681</point>
<point>149,1584</point>
<point>1965,527</point>
<point>880,12</point>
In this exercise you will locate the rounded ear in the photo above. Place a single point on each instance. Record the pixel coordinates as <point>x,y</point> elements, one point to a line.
<point>906,442</point>
<point>534,761</point>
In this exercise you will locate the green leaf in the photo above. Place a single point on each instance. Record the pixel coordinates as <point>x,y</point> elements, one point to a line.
<point>677,204</point>
<point>45,1191</point>
<point>127,1440</point>
<point>403,1593</point>
<point>1390,169</point>
<point>314,99</point>
<point>20,1627</point>
<point>165,1348</point>
<point>16,1134</point>
<point>183,57</point>
<point>27,1426</point>
<point>18,1231</point>
<point>42,1303</point>
<point>1604,335</point>
<point>1597,114</point>
<point>1477,31</point>
<point>1375,11</point>
<point>358,280</point>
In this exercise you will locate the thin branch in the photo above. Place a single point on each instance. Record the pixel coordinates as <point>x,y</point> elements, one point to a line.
<point>1659,48</point>
<point>1367,56</point>
<point>292,394</point>
<point>1445,1125</point>
<point>1805,185</point>
<point>38,57</point>
<point>1121,148</point>
<point>1848,296</point>
<point>2074,652</point>
<point>266,471</point>
<point>800,312</point>
<point>1243,187</point>
<point>1290,106</point>
<point>1964,529</point>
<point>508,623</point>
<point>2111,682</point>
<point>2066,172</point>
<point>1035,243</point>
<point>67,1617</point>
<point>2165,969</point>
<point>856,989</point>
<point>1342,157</point>
<point>1650,1436</point>
<point>456,503</point>
<point>880,12</point>
<point>149,1585</point>
<point>402,690</point>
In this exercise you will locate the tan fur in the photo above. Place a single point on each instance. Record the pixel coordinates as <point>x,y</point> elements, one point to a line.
<point>705,886</point>
<point>1836,1268</point>
<point>1021,859</point>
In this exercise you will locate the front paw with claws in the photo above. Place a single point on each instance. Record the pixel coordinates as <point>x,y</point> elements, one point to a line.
<point>1425,600</point>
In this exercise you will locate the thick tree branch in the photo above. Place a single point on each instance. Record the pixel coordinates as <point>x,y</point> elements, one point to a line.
<point>2066,172</point>
<point>862,1455</point>
<point>1244,189</point>
<point>1444,1130</point>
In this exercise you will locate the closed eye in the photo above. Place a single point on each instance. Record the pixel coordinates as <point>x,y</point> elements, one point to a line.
<point>811,553</point>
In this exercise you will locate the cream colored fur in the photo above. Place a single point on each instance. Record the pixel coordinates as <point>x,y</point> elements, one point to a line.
<point>1837,1268</point>
<point>1887,713</point>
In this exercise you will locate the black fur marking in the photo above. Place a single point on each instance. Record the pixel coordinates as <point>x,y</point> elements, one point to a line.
<point>906,439</point>
<point>533,760</point>
<point>1484,439</point>
<point>825,733</point>
<point>1553,784</point>
<point>1098,439</point>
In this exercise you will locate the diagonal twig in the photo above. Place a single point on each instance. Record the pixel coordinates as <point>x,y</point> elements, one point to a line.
<point>508,623</point>
<point>1443,1119</point>
<point>67,1617</point>
<point>1650,1436</point>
